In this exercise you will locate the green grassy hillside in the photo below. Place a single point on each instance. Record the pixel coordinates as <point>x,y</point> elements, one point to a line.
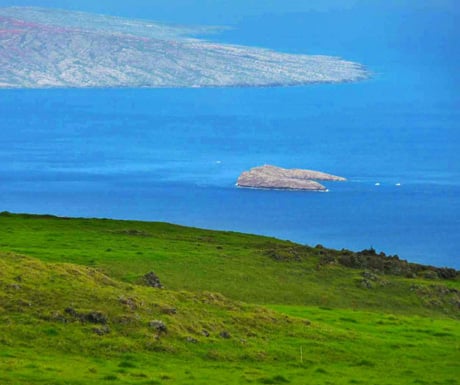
<point>242,267</point>
<point>234,309</point>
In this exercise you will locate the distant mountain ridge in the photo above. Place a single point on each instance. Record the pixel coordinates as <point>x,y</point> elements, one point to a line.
<point>85,21</point>
<point>46,48</point>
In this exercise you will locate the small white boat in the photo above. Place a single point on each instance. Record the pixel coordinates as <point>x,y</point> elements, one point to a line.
<point>377,184</point>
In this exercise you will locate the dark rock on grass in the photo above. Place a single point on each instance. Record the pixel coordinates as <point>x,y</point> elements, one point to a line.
<point>294,253</point>
<point>71,311</point>
<point>159,326</point>
<point>447,273</point>
<point>284,255</point>
<point>152,280</point>
<point>102,330</point>
<point>127,320</point>
<point>169,310</point>
<point>366,284</point>
<point>225,334</point>
<point>437,295</point>
<point>430,274</point>
<point>129,302</point>
<point>95,317</point>
<point>369,276</point>
<point>383,264</point>
<point>133,232</point>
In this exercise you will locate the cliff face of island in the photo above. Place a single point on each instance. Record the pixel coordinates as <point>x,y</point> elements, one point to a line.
<point>272,177</point>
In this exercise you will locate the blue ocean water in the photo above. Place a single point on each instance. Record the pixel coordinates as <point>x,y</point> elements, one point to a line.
<point>174,154</point>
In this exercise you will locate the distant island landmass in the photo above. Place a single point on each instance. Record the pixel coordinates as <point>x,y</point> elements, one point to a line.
<point>47,48</point>
<point>273,177</point>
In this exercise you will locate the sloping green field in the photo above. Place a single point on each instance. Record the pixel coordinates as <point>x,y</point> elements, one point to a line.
<point>235,309</point>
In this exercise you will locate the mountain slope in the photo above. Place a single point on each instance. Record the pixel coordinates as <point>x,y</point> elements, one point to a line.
<point>42,48</point>
<point>68,324</point>
<point>79,309</point>
<point>242,267</point>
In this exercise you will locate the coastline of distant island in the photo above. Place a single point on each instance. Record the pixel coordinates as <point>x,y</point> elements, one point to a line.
<point>278,178</point>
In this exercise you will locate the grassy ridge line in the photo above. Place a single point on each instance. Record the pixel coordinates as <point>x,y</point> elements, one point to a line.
<point>41,341</point>
<point>242,267</point>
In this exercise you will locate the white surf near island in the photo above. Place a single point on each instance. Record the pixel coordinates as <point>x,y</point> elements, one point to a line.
<point>50,48</point>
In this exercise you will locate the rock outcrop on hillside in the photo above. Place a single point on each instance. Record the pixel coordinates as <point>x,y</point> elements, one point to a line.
<point>272,177</point>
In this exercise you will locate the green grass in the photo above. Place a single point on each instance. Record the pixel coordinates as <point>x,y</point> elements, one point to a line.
<point>240,266</point>
<point>72,311</point>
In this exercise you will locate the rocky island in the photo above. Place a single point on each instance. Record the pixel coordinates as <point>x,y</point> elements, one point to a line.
<point>272,177</point>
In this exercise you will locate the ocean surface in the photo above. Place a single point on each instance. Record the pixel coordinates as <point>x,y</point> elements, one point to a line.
<point>174,154</point>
